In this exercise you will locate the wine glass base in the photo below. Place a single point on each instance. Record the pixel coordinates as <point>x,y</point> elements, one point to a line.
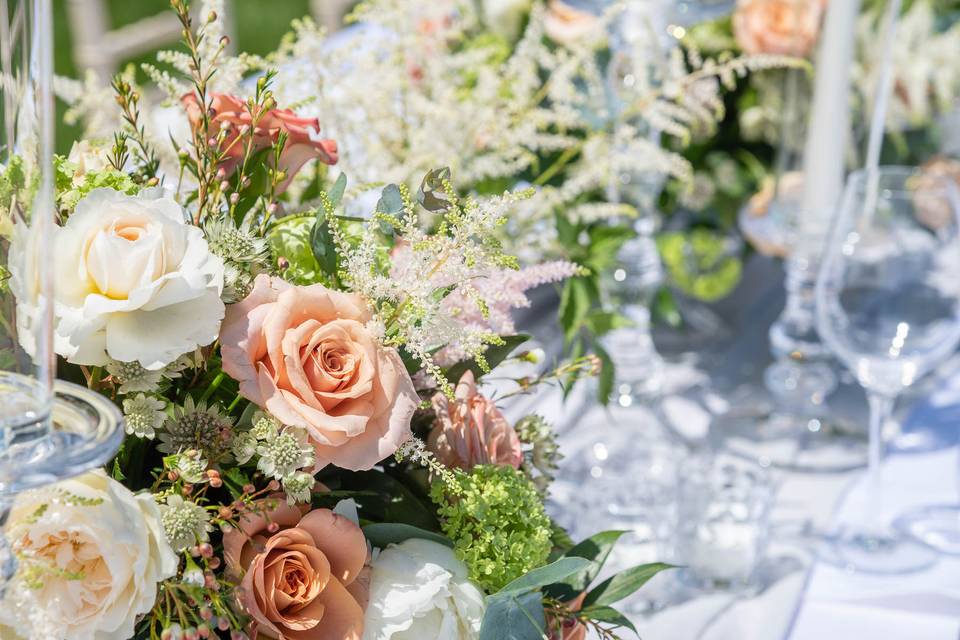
<point>885,554</point>
<point>791,442</point>
<point>937,526</point>
<point>83,432</point>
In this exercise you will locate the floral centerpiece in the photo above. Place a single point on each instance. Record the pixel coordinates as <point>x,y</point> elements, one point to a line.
<point>510,95</point>
<point>310,450</point>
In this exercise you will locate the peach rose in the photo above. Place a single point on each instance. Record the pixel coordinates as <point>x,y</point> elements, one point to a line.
<point>471,430</point>
<point>303,134</point>
<point>306,581</point>
<point>785,27</point>
<point>305,355</point>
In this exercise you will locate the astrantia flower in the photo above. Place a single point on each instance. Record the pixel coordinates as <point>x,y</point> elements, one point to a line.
<point>265,426</point>
<point>184,523</point>
<point>143,415</point>
<point>286,453</point>
<point>134,281</point>
<point>244,254</point>
<point>196,426</point>
<point>298,487</point>
<point>191,466</point>
<point>419,589</point>
<point>133,377</point>
<point>244,445</point>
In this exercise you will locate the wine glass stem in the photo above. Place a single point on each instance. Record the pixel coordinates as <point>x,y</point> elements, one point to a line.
<point>881,407</point>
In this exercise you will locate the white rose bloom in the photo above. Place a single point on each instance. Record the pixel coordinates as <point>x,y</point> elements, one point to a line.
<point>420,591</point>
<point>134,281</point>
<point>116,544</point>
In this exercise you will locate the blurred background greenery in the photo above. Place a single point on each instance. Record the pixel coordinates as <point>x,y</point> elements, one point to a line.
<point>259,25</point>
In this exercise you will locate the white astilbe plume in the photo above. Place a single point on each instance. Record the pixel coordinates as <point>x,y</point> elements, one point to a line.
<point>409,290</point>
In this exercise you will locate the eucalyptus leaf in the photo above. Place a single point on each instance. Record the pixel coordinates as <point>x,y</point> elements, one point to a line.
<point>623,584</point>
<point>552,573</point>
<point>596,549</point>
<point>608,615</point>
<point>606,377</point>
<point>382,534</point>
<point>513,616</point>
<point>336,192</point>
<point>391,201</point>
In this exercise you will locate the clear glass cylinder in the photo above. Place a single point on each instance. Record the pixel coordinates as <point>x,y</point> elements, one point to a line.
<point>27,359</point>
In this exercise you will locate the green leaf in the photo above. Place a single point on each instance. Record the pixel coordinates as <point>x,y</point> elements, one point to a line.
<point>623,584</point>
<point>323,246</point>
<point>495,354</point>
<point>512,616</point>
<point>550,574</point>
<point>390,201</point>
<point>382,534</point>
<point>608,615</point>
<point>432,195</point>
<point>393,501</point>
<point>596,549</point>
<point>575,303</point>
<point>117,471</point>
<point>607,375</point>
<point>336,192</point>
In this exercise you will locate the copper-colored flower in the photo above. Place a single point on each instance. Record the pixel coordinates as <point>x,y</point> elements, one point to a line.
<point>470,430</point>
<point>303,134</point>
<point>305,355</point>
<point>785,27</point>
<point>306,581</point>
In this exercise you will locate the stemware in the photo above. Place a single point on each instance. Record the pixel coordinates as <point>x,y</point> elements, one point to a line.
<point>48,431</point>
<point>888,306</point>
<point>935,525</point>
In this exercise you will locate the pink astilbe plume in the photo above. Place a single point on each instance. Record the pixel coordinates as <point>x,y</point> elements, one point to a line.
<point>502,291</point>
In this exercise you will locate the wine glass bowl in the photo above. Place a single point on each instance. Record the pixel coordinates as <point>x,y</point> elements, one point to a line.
<point>888,307</point>
<point>890,294</point>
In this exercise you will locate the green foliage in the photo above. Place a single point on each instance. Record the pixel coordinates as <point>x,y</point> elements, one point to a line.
<point>290,238</point>
<point>516,611</point>
<point>71,187</point>
<point>497,522</point>
<point>700,264</point>
<point>381,534</point>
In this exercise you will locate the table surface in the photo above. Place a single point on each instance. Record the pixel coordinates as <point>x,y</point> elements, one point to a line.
<point>719,367</point>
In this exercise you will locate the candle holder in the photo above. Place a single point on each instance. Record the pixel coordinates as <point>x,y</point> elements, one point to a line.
<point>48,431</point>
<point>724,521</point>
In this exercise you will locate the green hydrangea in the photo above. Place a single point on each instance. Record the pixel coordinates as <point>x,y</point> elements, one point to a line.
<point>496,520</point>
<point>71,187</point>
<point>290,239</point>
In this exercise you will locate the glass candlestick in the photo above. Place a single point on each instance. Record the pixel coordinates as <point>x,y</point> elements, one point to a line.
<point>48,431</point>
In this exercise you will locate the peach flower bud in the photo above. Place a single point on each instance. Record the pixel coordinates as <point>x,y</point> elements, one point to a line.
<point>470,430</point>
<point>784,27</point>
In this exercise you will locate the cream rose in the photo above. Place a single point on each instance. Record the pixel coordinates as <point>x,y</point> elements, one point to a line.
<point>134,281</point>
<point>420,591</point>
<point>305,355</point>
<point>112,539</point>
<point>785,27</point>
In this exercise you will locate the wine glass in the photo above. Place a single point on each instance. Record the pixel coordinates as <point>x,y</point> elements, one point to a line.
<point>888,306</point>
<point>48,430</point>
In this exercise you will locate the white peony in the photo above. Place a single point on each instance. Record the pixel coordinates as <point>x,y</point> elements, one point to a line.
<point>134,281</point>
<point>420,591</point>
<point>95,528</point>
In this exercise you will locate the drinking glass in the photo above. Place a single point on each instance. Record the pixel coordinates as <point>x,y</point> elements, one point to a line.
<point>888,306</point>
<point>48,430</point>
